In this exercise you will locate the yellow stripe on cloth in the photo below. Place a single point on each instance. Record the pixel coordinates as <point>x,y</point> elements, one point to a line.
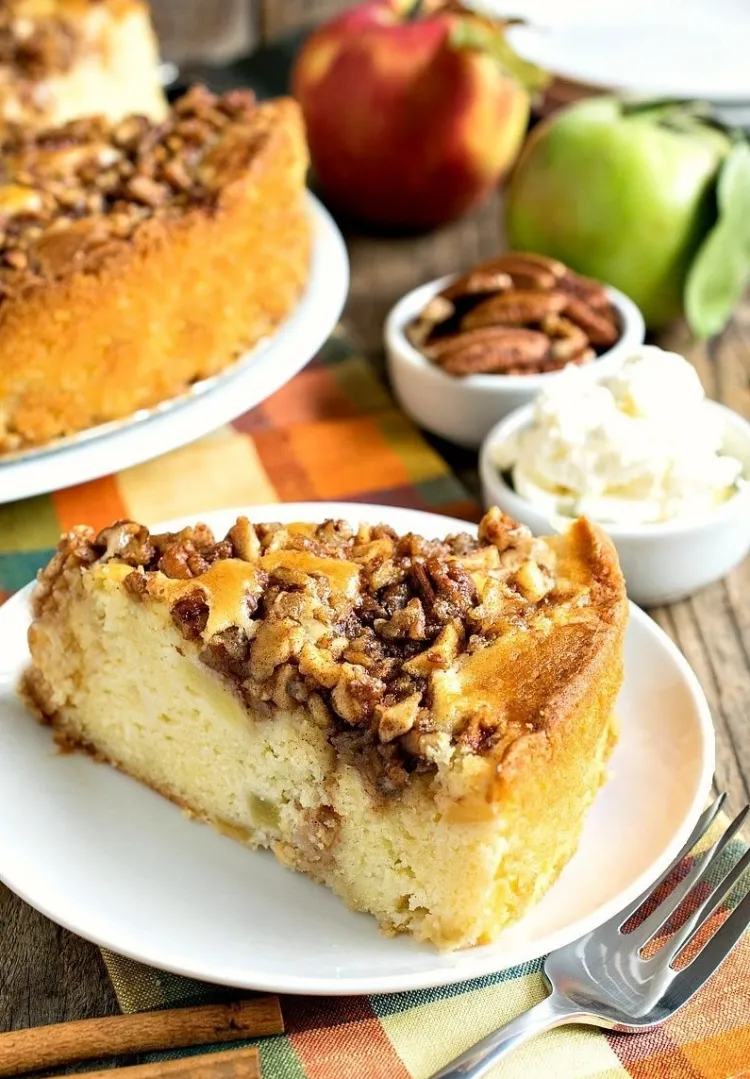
<point>418,458</point>
<point>216,472</point>
<point>456,1022</point>
<point>29,525</point>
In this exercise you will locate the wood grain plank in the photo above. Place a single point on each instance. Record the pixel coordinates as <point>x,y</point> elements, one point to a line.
<point>47,975</point>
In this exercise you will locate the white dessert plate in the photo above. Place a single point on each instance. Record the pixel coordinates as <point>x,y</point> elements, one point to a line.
<point>674,48</point>
<point>208,404</point>
<point>109,859</point>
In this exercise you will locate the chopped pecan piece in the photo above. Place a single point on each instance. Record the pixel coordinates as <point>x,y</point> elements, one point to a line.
<point>397,719</point>
<point>228,651</point>
<point>502,530</point>
<point>244,540</point>
<point>126,541</point>
<point>190,614</point>
<point>408,622</point>
<point>136,583</point>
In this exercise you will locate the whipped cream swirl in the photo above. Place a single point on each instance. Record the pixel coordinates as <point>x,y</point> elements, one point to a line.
<point>641,446</point>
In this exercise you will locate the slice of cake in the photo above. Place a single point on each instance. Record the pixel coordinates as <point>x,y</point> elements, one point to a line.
<point>421,725</point>
<point>60,59</point>
<point>136,258</point>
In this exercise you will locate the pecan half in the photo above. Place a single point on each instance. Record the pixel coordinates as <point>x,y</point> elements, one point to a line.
<point>477,283</point>
<point>531,271</point>
<point>521,259</point>
<point>510,347</point>
<point>586,289</point>
<point>442,347</point>
<point>598,325</point>
<point>518,307</point>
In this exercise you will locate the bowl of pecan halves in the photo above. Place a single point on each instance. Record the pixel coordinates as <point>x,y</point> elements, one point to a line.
<point>465,350</point>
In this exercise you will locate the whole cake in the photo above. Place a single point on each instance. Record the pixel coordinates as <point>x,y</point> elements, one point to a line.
<point>60,59</point>
<point>137,258</point>
<point>419,724</point>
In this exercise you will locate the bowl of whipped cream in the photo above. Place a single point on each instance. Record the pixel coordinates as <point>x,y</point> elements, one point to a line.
<point>643,453</point>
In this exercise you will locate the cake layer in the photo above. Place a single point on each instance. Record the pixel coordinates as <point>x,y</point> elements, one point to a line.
<point>433,769</point>
<point>137,258</point>
<point>61,59</point>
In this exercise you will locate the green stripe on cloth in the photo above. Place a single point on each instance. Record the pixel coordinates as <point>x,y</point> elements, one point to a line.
<point>421,462</point>
<point>442,490</point>
<point>16,570</point>
<point>388,1003</point>
<point>354,377</point>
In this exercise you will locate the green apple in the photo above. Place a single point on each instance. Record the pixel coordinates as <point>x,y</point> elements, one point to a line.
<point>622,193</point>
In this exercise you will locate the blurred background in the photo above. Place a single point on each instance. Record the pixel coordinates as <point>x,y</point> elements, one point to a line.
<point>678,48</point>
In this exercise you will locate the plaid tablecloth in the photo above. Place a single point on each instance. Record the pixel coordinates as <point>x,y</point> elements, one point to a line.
<point>334,433</point>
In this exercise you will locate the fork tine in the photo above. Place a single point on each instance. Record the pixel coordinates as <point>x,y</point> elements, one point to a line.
<point>690,979</point>
<point>650,926</point>
<point>702,825</point>
<point>698,918</point>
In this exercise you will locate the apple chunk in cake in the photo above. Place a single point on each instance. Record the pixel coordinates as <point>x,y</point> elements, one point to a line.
<point>419,724</point>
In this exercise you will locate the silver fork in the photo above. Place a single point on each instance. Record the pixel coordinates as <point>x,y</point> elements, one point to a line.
<point>603,979</point>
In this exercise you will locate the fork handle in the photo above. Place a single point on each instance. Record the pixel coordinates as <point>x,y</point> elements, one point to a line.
<point>553,1011</point>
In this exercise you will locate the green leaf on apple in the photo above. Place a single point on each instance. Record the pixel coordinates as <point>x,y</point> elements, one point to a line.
<point>720,272</point>
<point>470,33</point>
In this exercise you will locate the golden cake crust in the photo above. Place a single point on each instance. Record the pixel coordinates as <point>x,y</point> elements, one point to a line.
<point>140,258</point>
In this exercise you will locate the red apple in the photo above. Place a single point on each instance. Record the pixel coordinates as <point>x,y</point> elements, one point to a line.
<point>413,112</point>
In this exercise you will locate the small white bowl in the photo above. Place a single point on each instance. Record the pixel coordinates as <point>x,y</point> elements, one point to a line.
<point>662,562</point>
<point>464,409</point>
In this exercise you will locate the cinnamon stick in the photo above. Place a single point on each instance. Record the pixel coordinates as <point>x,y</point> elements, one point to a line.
<point>231,1064</point>
<point>47,1047</point>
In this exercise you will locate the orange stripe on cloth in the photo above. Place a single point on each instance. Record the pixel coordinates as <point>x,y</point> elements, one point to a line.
<point>720,1057</point>
<point>97,503</point>
<point>312,396</point>
<point>355,1046</point>
<point>466,508</point>
<point>723,1006</point>
<point>283,468</point>
<point>344,457</point>
<point>652,1054</point>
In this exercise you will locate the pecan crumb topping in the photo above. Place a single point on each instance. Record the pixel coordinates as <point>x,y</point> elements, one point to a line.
<point>68,194</point>
<point>364,627</point>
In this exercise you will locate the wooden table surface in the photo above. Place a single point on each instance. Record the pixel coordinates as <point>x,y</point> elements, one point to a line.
<point>49,975</point>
